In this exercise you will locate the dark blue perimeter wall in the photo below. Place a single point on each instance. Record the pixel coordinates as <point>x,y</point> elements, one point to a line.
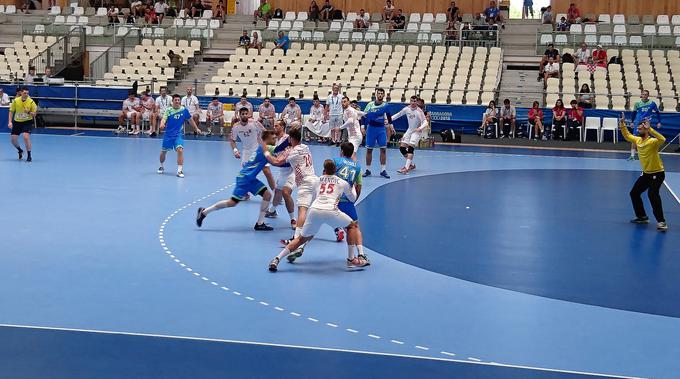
<point>465,118</point>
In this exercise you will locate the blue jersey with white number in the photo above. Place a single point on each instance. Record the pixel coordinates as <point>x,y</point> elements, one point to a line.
<point>644,110</point>
<point>348,170</point>
<point>174,120</point>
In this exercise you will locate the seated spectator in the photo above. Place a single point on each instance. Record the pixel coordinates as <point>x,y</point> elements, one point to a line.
<point>112,15</point>
<point>551,70</point>
<point>131,111</point>
<point>453,13</point>
<point>215,116</point>
<point>316,123</point>
<point>172,11</point>
<point>585,99</point>
<point>547,16</point>
<point>363,20</point>
<point>243,103</point>
<point>282,42</point>
<point>137,8</point>
<point>559,119</point>
<point>550,52</point>
<point>264,11</point>
<point>327,11</point>
<point>493,13</point>
<point>567,58</point>
<point>190,102</point>
<point>197,9</point>
<point>255,43</point>
<point>508,117</point>
<point>267,113</point>
<point>292,114</point>
<point>278,13</point>
<point>398,22</point>
<point>451,33</point>
<point>175,60</point>
<point>582,55</point>
<point>29,78</point>
<point>160,7</point>
<point>574,120</point>
<point>388,11</point>
<point>314,12</point>
<point>150,16</point>
<point>244,41</point>
<point>600,57</point>
<point>490,117</point>
<point>573,14</point>
<point>129,17</point>
<point>148,110</point>
<point>536,120</point>
<point>4,98</point>
<point>562,25</point>
<point>528,7</point>
<point>220,11</point>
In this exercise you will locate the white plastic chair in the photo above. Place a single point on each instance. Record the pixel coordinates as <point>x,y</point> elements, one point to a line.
<point>302,16</point>
<point>662,19</point>
<point>55,10</point>
<point>592,123</point>
<point>610,124</point>
<point>604,19</point>
<point>290,16</point>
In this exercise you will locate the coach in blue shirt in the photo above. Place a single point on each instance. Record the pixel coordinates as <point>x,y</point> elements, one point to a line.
<point>282,43</point>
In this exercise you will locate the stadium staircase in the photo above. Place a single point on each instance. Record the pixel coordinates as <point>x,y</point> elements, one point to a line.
<point>520,68</point>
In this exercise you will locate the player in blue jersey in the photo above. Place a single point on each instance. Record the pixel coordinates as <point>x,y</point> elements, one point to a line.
<point>246,182</point>
<point>377,120</point>
<point>350,171</point>
<point>643,110</point>
<point>173,122</point>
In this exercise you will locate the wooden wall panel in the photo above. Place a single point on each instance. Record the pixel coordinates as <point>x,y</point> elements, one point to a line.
<point>420,6</point>
<point>627,7</point>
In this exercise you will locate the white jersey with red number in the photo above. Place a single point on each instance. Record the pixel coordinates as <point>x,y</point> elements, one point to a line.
<point>300,159</point>
<point>329,190</point>
<point>415,116</point>
<point>249,134</point>
<point>351,118</point>
<point>130,104</point>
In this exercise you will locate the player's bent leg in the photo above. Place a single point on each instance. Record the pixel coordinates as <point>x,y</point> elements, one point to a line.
<point>270,178</point>
<point>202,213</point>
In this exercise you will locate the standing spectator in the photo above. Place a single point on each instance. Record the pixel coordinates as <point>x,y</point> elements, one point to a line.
<point>255,43</point>
<point>190,102</point>
<point>536,120</point>
<point>327,11</point>
<point>215,116</point>
<point>398,21</point>
<point>264,11</point>
<point>562,25</point>
<point>29,78</point>
<point>220,11</point>
<point>282,43</point>
<point>559,119</point>
<point>22,114</point>
<point>363,20</point>
<point>4,99</point>
<point>508,117</point>
<point>292,114</point>
<point>267,113</point>
<point>314,12</point>
<point>528,7</point>
<point>573,14</point>
<point>550,52</point>
<point>333,113</point>
<point>552,70</point>
<point>547,17</point>
<point>160,7</point>
<point>493,14</point>
<point>388,11</point>
<point>244,41</point>
<point>600,57</point>
<point>490,117</point>
<point>574,120</point>
<point>453,13</point>
<point>197,9</point>
<point>585,99</point>
<point>131,111</point>
<point>582,55</point>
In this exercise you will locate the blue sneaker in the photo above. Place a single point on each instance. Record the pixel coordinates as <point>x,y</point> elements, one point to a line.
<point>366,173</point>
<point>383,173</point>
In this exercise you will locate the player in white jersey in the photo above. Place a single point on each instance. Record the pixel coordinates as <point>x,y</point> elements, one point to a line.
<point>300,159</point>
<point>285,180</point>
<point>162,103</point>
<point>132,109</point>
<point>334,113</point>
<point>249,131</point>
<point>351,117</point>
<point>292,114</point>
<point>316,122</point>
<point>148,110</point>
<point>324,210</point>
<point>417,123</point>
<point>215,116</point>
<point>190,102</point>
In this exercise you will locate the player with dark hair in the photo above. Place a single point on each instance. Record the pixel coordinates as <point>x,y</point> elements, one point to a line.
<point>349,170</point>
<point>417,123</point>
<point>173,121</point>
<point>378,119</point>
<point>22,112</point>
<point>643,110</point>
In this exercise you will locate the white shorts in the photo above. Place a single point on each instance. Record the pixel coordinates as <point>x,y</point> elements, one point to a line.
<point>306,192</point>
<point>356,141</point>
<point>335,121</point>
<point>317,217</point>
<point>411,137</point>
<point>285,178</point>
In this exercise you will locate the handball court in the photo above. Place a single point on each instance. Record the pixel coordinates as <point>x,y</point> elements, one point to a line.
<point>486,263</point>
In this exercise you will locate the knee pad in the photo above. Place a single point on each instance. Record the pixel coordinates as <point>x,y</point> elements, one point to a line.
<point>410,149</point>
<point>404,150</point>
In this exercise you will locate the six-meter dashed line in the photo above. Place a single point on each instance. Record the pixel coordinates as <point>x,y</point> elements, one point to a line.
<point>178,261</point>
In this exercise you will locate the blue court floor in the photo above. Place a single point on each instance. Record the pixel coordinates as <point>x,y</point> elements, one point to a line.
<point>487,263</point>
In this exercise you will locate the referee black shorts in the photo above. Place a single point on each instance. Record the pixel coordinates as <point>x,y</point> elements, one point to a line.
<point>19,127</point>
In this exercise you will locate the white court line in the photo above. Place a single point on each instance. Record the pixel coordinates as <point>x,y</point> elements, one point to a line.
<point>254,343</point>
<point>671,191</point>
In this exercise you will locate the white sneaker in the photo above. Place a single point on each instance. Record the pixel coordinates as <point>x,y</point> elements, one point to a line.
<point>135,132</point>
<point>180,174</point>
<point>161,170</point>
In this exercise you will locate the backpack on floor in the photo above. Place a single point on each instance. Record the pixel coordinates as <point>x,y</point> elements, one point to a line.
<point>490,130</point>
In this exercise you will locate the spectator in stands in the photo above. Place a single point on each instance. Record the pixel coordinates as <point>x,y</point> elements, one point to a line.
<point>150,16</point>
<point>175,60</point>
<point>282,43</point>
<point>528,7</point>
<point>112,15</point>
<point>129,17</point>
<point>28,79</point>
<point>244,41</point>
<point>453,13</point>
<point>4,99</point>
<point>490,116</point>
<point>363,20</point>
<point>314,12</point>
<point>292,114</point>
<point>48,75</point>
<point>582,55</point>
<point>255,43</point>
<point>451,33</point>
<point>585,99</point>
<point>551,70</point>
<point>215,116</point>
<point>148,110</point>
<point>190,102</point>
<point>574,120</point>
<point>264,11</point>
<point>267,113</point>
<point>278,13</point>
<point>197,9</point>
<point>172,11</point>
<point>547,17</point>
<point>398,21</point>
<point>550,52</point>
<point>493,14</point>
<point>562,25</point>
<point>600,57</point>
<point>327,11</point>
<point>132,111</point>
<point>536,120</point>
<point>137,8</point>
<point>220,11</point>
<point>559,119</point>
<point>508,117</point>
<point>573,14</point>
<point>388,11</point>
<point>160,7</point>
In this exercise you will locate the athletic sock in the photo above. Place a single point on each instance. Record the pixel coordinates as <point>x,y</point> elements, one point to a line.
<point>29,154</point>
<point>283,253</point>
<point>383,167</point>
<point>272,208</point>
<point>298,232</point>
<point>19,149</point>
<point>350,252</point>
<point>179,168</point>
<point>632,152</point>
<point>263,209</point>
<point>408,163</point>
<point>291,215</point>
<point>360,250</point>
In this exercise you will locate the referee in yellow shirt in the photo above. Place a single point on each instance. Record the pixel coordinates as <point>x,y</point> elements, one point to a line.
<point>22,111</point>
<point>648,143</point>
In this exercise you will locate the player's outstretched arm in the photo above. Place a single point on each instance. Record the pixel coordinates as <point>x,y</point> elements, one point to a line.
<point>275,160</point>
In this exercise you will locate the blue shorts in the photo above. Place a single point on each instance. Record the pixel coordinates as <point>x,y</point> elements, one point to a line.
<point>172,143</point>
<point>376,136</point>
<point>246,185</point>
<point>348,208</point>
